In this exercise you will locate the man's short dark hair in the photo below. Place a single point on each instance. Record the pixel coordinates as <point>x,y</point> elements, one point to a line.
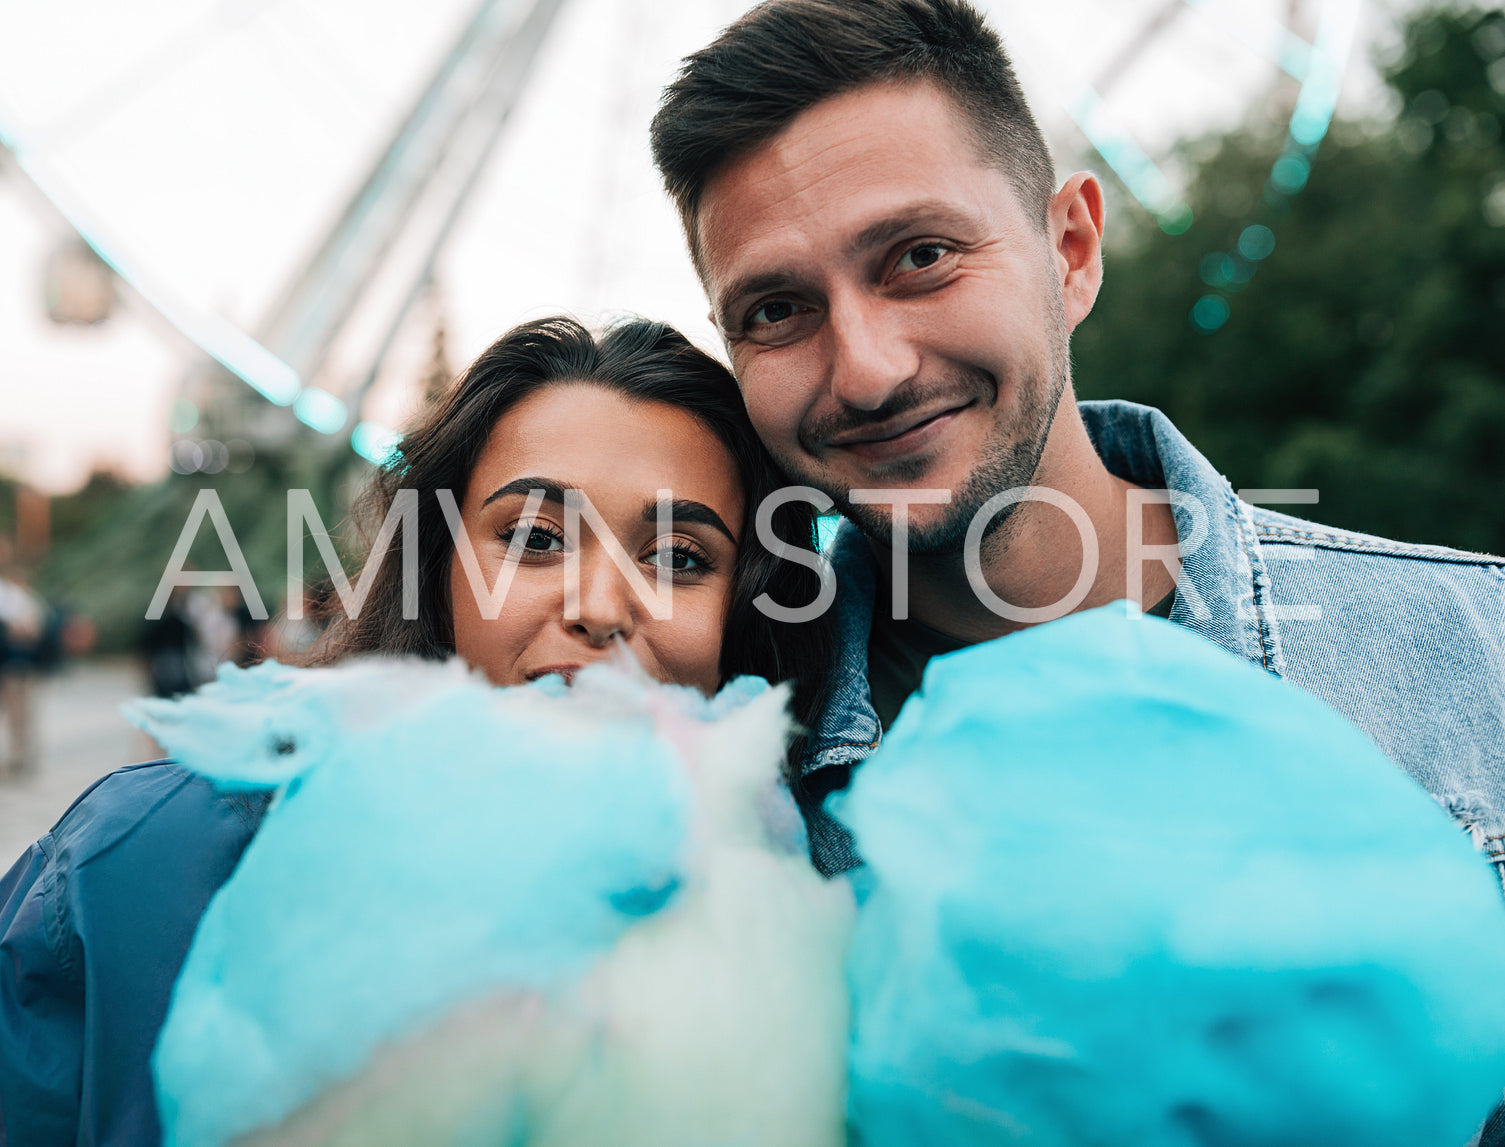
<point>785,56</point>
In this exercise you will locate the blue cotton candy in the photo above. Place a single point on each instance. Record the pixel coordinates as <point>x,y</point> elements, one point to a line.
<point>481,915</point>
<point>1126,889</point>
<point>249,1040</point>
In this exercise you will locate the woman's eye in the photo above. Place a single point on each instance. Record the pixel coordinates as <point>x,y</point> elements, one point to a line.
<point>680,559</point>
<point>538,541</point>
<point>543,540</point>
<point>919,257</point>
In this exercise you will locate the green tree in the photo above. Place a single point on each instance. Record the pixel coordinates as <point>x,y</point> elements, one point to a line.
<point>1364,355</point>
<point>111,542</point>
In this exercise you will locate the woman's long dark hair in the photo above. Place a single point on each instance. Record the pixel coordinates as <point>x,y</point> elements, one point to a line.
<point>644,360</point>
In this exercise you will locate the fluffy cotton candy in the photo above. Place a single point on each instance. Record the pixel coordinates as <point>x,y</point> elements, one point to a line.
<point>476,915</point>
<point>1128,889</point>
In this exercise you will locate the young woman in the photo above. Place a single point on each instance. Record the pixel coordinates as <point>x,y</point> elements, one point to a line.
<point>96,918</point>
<point>550,408</point>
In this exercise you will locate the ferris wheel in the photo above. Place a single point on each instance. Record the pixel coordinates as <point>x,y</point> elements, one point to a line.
<point>1188,48</point>
<point>486,92</point>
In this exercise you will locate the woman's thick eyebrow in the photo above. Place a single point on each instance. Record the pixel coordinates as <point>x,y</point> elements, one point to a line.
<point>685,510</point>
<point>552,491</point>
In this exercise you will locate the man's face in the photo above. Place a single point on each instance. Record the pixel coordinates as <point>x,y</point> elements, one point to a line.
<point>893,315</point>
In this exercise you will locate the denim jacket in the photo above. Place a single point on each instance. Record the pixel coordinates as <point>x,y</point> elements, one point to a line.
<point>95,921</point>
<point>1407,641</point>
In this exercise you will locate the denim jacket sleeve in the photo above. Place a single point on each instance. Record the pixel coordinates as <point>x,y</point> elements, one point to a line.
<point>95,921</point>
<point>41,1017</point>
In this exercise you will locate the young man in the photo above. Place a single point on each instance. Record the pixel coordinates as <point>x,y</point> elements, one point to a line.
<point>874,216</point>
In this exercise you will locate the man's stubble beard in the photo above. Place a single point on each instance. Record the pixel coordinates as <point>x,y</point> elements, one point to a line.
<point>1007,465</point>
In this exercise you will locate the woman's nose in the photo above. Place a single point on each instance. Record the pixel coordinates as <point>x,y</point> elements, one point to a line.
<point>607,604</point>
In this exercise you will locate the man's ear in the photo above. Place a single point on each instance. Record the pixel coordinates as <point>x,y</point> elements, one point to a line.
<point>1076,236</point>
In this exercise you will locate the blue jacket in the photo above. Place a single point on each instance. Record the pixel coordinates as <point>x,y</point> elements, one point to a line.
<point>95,921</point>
<point>1406,641</point>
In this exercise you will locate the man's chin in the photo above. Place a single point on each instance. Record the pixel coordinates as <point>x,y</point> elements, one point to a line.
<point>932,530</point>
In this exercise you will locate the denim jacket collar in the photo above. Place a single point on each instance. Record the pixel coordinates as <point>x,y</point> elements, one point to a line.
<point>1223,593</point>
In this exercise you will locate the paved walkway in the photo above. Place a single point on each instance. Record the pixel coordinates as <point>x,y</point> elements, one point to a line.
<point>80,736</point>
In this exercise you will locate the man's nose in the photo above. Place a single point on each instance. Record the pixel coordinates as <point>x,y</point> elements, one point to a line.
<point>607,605</point>
<point>872,354</point>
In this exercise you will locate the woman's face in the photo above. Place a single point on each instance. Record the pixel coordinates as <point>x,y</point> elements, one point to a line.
<point>618,453</point>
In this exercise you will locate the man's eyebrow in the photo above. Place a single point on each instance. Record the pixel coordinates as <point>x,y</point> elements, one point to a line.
<point>924,216</point>
<point>552,491</point>
<point>685,510</point>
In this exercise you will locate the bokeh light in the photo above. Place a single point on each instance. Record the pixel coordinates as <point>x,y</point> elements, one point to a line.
<point>1290,173</point>
<point>1256,243</point>
<point>216,456</point>
<point>1216,269</point>
<point>316,407</point>
<point>241,455</point>
<point>186,456</point>
<point>1210,313</point>
<point>184,416</point>
<point>373,442</point>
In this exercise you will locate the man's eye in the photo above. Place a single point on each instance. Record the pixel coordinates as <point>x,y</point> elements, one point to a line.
<point>918,258</point>
<point>774,311</point>
<point>779,322</point>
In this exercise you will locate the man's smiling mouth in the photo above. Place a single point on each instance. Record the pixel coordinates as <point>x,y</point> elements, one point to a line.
<point>899,436</point>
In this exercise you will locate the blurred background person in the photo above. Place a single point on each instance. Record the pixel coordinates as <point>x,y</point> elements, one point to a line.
<point>224,630</point>
<point>169,647</point>
<point>287,639</point>
<point>30,635</point>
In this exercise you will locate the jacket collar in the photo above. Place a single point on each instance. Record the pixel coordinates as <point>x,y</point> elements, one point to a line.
<point>1223,593</point>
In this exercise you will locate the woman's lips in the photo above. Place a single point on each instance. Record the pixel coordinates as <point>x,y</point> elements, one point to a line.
<point>567,671</point>
<point>904,439</point>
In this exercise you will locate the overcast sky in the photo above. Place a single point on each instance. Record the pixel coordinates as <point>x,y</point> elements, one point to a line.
<point>214,141</point>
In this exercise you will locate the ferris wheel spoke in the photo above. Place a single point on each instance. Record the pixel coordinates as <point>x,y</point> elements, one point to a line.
<point>1133,166</point>
<point>146,72</point>
<point>1262,34</point>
